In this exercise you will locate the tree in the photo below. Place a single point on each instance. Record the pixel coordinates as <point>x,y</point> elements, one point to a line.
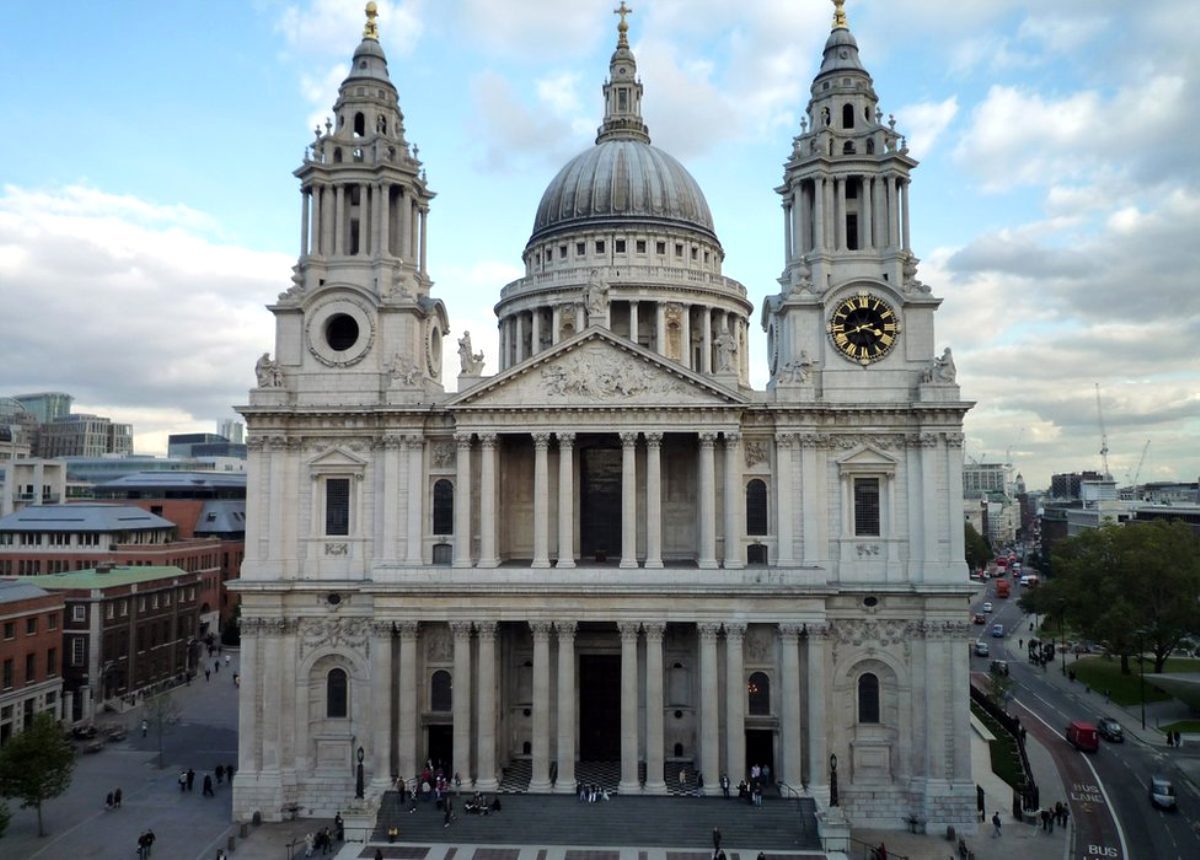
<point>1128,587</point>
<point>161,712</point>
<point>999,684</point>
<point>979,552</point>
<point>36,765</point>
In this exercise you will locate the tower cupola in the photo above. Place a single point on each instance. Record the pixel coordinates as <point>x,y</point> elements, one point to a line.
<point>623,91</point>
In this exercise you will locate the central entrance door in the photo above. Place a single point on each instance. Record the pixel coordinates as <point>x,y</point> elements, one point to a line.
<point>599,707</point>
<point>600,502</point>
<point>441,745</point>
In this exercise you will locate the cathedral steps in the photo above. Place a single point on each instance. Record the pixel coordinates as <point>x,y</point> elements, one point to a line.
<point>680,822</point>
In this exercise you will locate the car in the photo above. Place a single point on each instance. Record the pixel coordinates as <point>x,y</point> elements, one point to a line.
<point>1162,793</point>
<point>1000,667</point>
<point>1110,730</point>
<point>987,606</point>
<point>998,631</point>
<point>982,649</point>
<point>980,618</point>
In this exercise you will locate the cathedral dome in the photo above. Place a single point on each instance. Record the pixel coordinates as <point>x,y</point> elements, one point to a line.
<point>622,180</point>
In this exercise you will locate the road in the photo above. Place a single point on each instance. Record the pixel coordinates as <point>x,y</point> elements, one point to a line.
<point>1108,790</point>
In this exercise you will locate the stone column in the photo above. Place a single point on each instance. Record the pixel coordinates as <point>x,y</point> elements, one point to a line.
<point>819,214</point>
<point>540,780</point>
<point>710,738</point>
<point>578,317</point>
<point>485,758</point>
<point>520,337</point>
<point>416,495</point>
<point>405,237</point>
<point>708,502</point>
<point>462,501</point>
<point>385,220</point>
<point>389,535</point>
<point>414,226</point>
<point>735,703</point>
<point>555,324</point>
<point>461,699</point>
<point>686,335</point>
<point>629,500</point>
<point>655,782</point>
<point>706,349</point>
<point>783,501</point>
<point>818,749</point>
<point>660,328</point>
<point>839,212</point>
<point>381,706</point>
<point>734,502</point>
<point>904,212</point>
<point>487,501</point>
<point>789,703</point>
<point>789,230</point>
<point>629,707</point>
<point>424,218</point>
<point>541,500</point>
<point>893,210</point>
<point>304,221</point>
<point>410,695</point>
<point>654,500</point>
<point>633,321</point>
<point>566,707</point>
<point>566,500</point>
<point>535,338</point>
<point>339,220</point>
<point>249,753</point>
<point>866,224</point>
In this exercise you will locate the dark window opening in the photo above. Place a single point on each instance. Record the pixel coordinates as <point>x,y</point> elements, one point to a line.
<point>660,248</point>
<point>870,146</point>
<point>620,246</point>
<point>443,508</point>
<point>852,231</point>
<point>580,249</point>
<point>337,506</point>
<point>756,507</point>
<point>360,125</point>
<point>847,116</point>
<point>443,553</point>
<point>441,691</point>
<point>868,698</point>
<point>756,555</point>
<point>866,507</point>
<point>759,691</point>
<point>337,702</point>
<point>641,246</point>
<point>341,332</point>
<point>848,148</point>
<point>599,246</point>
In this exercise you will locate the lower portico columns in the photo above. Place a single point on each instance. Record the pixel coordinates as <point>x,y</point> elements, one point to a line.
<point>818,750</point>
<point>381,706</point>
<point>566,503</point>
<point>541,500</point>
<point>485,759</point>
<point>654,500</point>
<point>407,752</point>
<point>629,500</point>
<point>710,750</point>
<point>789,711</point>
<point>566,706</point>
<point>735,703</point>
<point>462,501</point>
<point>733,502</point>
<point>708,502</point>
<point>629,707</point>
<point>540,780</point>
<point>461,701</point>
<point>655,784</point>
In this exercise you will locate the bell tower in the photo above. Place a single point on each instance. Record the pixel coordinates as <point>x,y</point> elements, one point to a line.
<point>358,326</point>
<point>846,236</point>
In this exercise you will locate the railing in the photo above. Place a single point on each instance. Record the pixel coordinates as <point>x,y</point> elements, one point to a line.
<point>860,849</point>
<point>787,792</point>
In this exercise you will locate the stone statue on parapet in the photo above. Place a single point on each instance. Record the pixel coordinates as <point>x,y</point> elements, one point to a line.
<point>471,363</point>
<point>595,296</point>
<point>941,369</point>
<point>268,371</point>
<point>799,369</point>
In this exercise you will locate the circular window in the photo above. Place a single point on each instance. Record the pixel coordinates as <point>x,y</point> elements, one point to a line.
<point>871,601</point>
<point>341,332</point>
<point>334,599</point>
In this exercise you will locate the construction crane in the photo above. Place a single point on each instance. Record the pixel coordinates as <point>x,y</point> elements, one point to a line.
<point>1103,433</point>
<point>1137,473</point>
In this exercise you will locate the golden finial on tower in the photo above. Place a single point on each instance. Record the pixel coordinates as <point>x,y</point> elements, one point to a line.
<point>371,29</point>
<point>839,15</point>
<point>623,27</point>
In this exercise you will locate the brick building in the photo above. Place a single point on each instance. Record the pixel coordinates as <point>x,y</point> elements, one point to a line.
<point>124,629</point>
<point>30,655</point>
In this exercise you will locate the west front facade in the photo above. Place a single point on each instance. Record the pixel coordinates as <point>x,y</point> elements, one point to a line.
<point>614,560</point>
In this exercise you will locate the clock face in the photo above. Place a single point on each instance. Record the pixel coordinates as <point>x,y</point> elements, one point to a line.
<point>864,328</point>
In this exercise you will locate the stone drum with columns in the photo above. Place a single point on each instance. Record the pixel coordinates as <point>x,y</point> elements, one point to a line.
<point>612,560</point>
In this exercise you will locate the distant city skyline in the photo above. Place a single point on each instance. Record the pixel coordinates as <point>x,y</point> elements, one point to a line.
<point>1055,208</point>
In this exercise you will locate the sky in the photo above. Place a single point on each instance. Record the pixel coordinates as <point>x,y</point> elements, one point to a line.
<point>148,211</point>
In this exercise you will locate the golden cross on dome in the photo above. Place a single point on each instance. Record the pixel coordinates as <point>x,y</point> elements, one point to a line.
<point>371,29</point>
<point>839,15</point>
<point>623,10</point>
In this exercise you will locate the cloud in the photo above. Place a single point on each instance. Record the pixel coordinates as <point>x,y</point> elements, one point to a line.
<point>925,122</point>
<point>514,135</point>
<point>536,31</point>
<point>130,304</point>
<point>328,26</point>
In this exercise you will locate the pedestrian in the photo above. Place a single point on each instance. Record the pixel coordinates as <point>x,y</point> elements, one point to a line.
<point>208,789</point>
<point>149,842</point>
<point>221,855</point>
<point>183,780</point>
<point>881,852</point>
<point>1178,740</point>
<point>1066,814</point>
<point>761,856</point>
<point>191,778</point>
<point>117,797</point>
<point>309,842</point>
<point>142,849</point>
<point>1170,739</point>
<point>378,854</point>
<point>237,679</point>
<point>145,727</point>
<point>996,825</point>
<point>216,666</point>
<point>220,771</point>
<point>226,659</point>
<point>339,827</point>
<point>716,839</point>
<point>108,801</point>
<point>725,785</point>
<point>448,806</point>
<point>229,773</point>
<point>207,672</point>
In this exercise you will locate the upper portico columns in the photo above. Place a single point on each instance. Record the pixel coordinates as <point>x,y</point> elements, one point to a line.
<point>629,500</point>
<point>462,501</point>
<point>566,500</point>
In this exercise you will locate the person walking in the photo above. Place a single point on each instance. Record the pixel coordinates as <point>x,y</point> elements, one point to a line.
<point>996,825</point>
<point>183,780</point>
<point>191,779</point>
<point>145,727</point>
<point>208,789</point>
<point>207,673</point>
<point>220,773</point>
<point>716,839</point>
<point>117,797</point>
<point>448,806</point>
<point>226,659</point>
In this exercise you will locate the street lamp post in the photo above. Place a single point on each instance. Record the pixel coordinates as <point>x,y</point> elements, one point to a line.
<point>1062,634</point>
<point>1142,673</point>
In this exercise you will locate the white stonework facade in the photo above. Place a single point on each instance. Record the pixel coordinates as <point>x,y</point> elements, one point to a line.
<point>614,549</point>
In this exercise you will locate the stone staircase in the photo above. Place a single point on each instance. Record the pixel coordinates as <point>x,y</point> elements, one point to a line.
<point>678,822</point>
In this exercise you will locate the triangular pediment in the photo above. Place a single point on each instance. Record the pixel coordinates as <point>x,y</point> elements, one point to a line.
<point>337,458</point>
<point>597,368</point>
